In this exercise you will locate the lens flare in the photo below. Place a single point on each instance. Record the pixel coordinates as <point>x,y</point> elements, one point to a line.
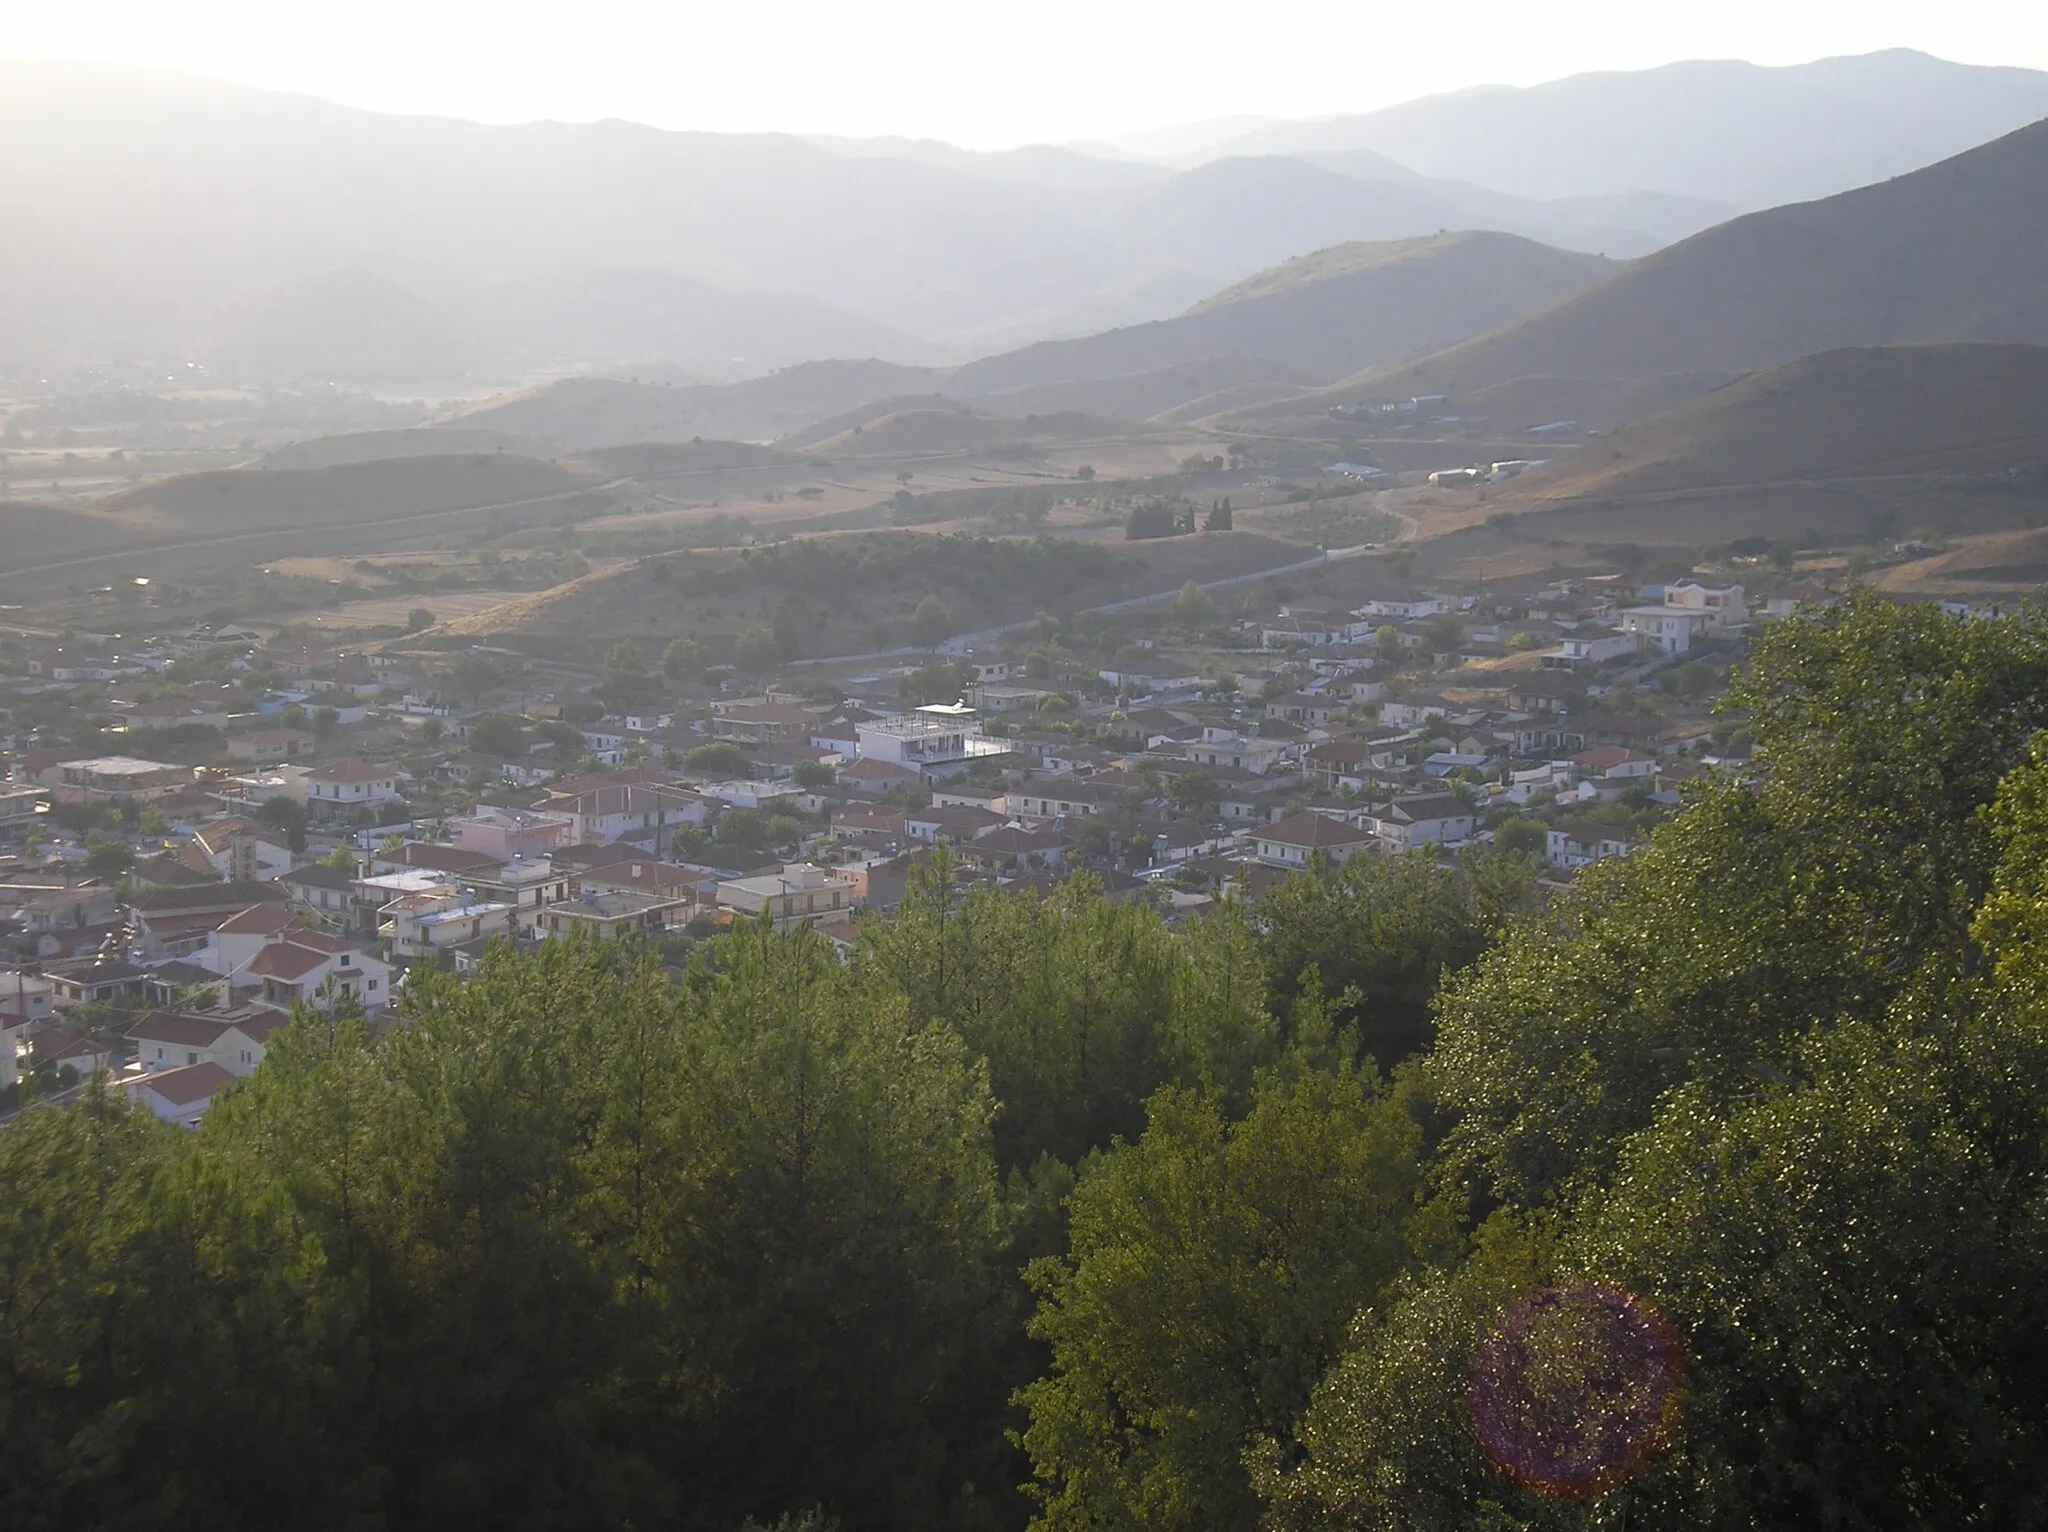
<point>1578,1389</point>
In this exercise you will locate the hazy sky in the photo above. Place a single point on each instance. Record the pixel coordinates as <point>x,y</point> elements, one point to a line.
<point>987,75</point>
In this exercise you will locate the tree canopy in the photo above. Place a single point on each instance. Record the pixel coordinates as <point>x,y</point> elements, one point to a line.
<point>1385,1201</point>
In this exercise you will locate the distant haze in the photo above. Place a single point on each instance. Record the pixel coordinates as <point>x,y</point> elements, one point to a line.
<point>160,221</point>
<point>985,77</point>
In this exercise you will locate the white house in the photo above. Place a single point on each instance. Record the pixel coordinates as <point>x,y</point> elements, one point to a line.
<point>180,1096</point>
<point>938,739</point>
<point>1226,747</point>
<point>166,1040</point>
<point>420,925</point>
<point>1613,764</point>
<point>801,894</point>
<point>1689,611</point>
<point>1293,841</point>
<point>298,963</point>
<point>1591,646</point>
<point>1400,608</point>
<point>603,814</point>
<point>241,850</point>
<point>1571,846</point>
<point>350,784</point>
<point>1427,819</point>
<point>1413,713</point>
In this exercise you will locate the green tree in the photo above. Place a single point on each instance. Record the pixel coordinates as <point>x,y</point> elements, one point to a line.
<point>475,677</point>
<point>720,758</point>
<point>286,815</point>
<point>497,734</point>
<point>813,774</point>
<point>1193,604</point>
<point>419,620</point>
<point>625,682</point>
<point>789,634</point>
<point>1378,934</point>
<point>1526,837</point>
<point>757,651</point>
<point>682,660</point>
<point>930,623</point>
<point>1214,1269</point>
<point>743,828</point>
<point>1197,795</point>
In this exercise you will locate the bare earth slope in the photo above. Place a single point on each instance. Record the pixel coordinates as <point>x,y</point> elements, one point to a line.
<point>1952,252</point>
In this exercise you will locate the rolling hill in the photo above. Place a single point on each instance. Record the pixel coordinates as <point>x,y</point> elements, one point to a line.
<point>856,592</point>
<point>1305,321</point>
<point>1180,388</point>
<point>1867,412</point>
<point>1338,311</point>
<point>195,520</point>
<point>1726,131</point>
<point>1948,253</point>
<point>928,430</point>
<point>370,446</point>
<point>578,414</point>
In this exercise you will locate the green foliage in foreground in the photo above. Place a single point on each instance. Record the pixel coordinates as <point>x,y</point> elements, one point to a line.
<point>1039,1209</point>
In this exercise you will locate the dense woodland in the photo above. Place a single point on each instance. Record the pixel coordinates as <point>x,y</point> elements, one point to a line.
<point>1041,1211</point>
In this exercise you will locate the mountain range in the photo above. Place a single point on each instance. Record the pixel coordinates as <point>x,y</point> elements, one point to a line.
<point>1947,253</point>
<point>155,217</point>
<point>1723,130</point>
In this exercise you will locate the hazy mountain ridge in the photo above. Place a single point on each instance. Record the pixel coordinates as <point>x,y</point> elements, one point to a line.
<point>1948,253</point>
<point>1317,318</point>
<point>1723,130</point>
<point>153,213</point>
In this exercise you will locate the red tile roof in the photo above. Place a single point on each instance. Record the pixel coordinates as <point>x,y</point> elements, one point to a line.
<point>257,920</point>
<point>287,961</point>
<point>181,1031</point>
<point>182,1087</point>
<point>1313,830</point>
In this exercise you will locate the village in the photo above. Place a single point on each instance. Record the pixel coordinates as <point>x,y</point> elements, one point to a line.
<point>201,831</point>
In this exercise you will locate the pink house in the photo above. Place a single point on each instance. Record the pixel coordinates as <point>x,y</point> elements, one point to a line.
<point>503,834</point>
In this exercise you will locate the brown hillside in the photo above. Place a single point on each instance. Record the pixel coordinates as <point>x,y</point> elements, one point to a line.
<point>183,519</point>
<point>235,499</point>
<point>856,593</point>
<point>1328,314</point>
<point>1999,561</point>
<point>578,414</point>
<point>865,414</point>
<point>369,446</point>
<point>1951,252</point>
<point>960,430</point>
<point>659,460</point>
<point>1868,412</point>
<point>1164,391</point>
